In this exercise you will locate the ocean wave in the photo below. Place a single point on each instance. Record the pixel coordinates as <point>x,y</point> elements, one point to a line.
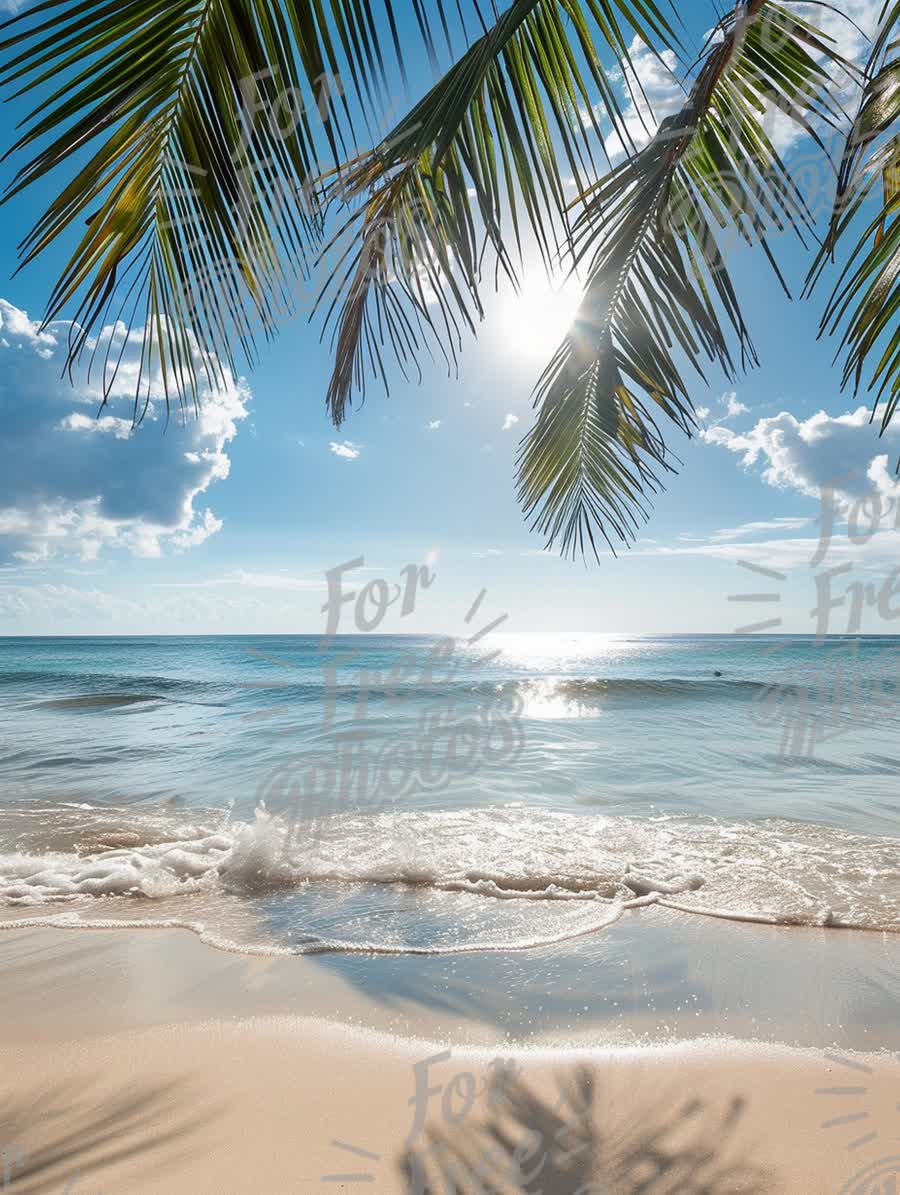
<point>665,687</point>
<point>539,697</point>
<point>771,871</point>
<point>104,701</point>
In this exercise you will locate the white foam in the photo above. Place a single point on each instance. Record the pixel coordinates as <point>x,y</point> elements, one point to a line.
<point>770,871</point>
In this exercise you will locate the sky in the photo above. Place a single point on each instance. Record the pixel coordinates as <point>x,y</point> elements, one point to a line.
<point>228,523</point>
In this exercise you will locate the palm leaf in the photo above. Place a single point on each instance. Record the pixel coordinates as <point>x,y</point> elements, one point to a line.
<point>865,301</point>
<point>658,293</point>
<point>480,157</point>
<point>189,130</point>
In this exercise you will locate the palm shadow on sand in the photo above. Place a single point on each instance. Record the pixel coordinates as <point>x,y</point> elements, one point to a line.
<point>61,1140</point>
<point>567,1145</point>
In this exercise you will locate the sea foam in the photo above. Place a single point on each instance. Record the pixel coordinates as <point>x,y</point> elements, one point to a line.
<point>773,871</point>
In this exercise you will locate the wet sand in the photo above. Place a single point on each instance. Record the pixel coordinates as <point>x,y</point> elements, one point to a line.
<point>148,1062</point>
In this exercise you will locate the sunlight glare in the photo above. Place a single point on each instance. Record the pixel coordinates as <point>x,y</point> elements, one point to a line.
<point>532,323</point>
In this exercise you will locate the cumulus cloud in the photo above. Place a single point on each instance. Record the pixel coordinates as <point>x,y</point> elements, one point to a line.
<point>848,29</point>
<point>849,26</point>
<point>510,422</point>
<point>346,449</point>
<point>75,484</point>
<point>434,424</point>
<point>842,453</point>
<point>652,90</point>
<point>732,407</point>
<point>653,93</point>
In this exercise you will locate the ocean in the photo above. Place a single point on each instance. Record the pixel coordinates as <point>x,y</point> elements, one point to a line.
<point>404,795</point>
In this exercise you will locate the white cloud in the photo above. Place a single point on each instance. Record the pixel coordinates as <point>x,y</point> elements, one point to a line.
<point>347,450</point>
<point>842,452</point>
<point>882,550</point>
<point>247,580</point>
<point>732,407</point>
<point>76,485</point>
<point>16,325</point>
<point>702,412</point>
<point>487,552</point>
<point>198,534</point>
<point>277,581</point>
<point>839,25</point>
<point>510,422</point>
<point>781,524</point>
<point>655,93</point>
<point>97,425</point>
<point>847,29</point>
<point>434,424</point>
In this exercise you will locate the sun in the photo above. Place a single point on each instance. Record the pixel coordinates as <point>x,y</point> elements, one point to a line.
<point>531,324</point>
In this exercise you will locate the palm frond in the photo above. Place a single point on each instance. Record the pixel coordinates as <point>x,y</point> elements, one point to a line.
<point>484,154</point>
<point>189,130</point>
<point>865,301</point>
<point>658,292</point>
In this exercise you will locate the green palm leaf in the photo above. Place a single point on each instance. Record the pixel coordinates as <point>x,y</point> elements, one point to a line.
<point>865,301</point>
<point>189,130</point>
<point>658,292</point>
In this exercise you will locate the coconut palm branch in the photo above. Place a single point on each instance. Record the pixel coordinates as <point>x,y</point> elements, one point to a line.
<point>189,129</point>
<point>658,293</point>
<point>192,130</point>
<point>865,301</point>
<point>486,151</point>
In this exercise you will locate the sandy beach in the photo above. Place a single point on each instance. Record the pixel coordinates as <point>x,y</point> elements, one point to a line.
<point>189,1093</point>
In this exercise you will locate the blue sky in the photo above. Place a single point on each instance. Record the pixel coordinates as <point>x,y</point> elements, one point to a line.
<point>228,524</point>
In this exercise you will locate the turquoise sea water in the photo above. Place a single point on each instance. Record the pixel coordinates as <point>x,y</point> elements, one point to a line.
<point>398,794</point>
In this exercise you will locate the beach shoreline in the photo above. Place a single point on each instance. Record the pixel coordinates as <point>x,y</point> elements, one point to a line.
<point>140,1065</point>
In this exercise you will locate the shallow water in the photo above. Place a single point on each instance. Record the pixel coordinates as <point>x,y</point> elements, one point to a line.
<point>398,795</point>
